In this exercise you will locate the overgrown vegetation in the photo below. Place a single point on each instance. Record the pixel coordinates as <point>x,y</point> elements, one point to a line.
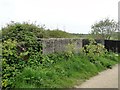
<point>23,65</point>
<point>19,31</point>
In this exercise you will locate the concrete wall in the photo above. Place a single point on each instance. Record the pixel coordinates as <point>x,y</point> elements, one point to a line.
<point>53,45</point>
<point>60,44</point>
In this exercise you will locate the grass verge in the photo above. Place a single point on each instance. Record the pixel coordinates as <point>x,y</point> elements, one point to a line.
<point>64,73</point>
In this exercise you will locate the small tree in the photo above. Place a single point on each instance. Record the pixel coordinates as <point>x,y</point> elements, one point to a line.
<point>104,29</point>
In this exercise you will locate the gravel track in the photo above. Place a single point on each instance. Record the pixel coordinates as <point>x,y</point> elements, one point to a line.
<point>105,79</point>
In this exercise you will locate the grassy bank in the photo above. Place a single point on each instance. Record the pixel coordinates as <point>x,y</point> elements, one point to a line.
<point>64,73</point>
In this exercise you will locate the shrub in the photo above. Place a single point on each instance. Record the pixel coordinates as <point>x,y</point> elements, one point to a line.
<point>70,50</point>
<point>20,30</point>
<point>20,48</point>
<point>11,63</point>
<point>93,50</point>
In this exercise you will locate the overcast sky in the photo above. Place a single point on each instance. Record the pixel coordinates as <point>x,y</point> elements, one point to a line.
<point>75,16</point>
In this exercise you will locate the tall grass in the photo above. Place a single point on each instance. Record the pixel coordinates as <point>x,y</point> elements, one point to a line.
<point>63,74</point>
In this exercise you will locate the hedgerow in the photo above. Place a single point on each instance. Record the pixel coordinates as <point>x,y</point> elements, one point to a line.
<point>24,65</point>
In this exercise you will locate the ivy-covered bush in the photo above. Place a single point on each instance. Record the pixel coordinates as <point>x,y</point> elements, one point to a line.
<point>26,35</point>
<point>12,62</point>
<point>20,48</point>
<point>20,30</point>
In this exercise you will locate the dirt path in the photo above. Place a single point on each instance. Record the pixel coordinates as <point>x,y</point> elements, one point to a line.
<point>105,79</point>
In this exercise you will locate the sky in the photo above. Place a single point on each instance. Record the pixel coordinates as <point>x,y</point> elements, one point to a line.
<point>74,16</point>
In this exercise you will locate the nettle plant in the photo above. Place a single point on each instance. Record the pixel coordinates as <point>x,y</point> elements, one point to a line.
<point>70,50</point>
<point>93,50</point>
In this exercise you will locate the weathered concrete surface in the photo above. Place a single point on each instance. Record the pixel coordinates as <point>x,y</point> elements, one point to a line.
<point>105,79</point>
<point>60,44</point>
<point>52,45</point>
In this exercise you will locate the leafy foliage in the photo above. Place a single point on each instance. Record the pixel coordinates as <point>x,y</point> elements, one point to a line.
<point>96,54</point>
<point>70,50</point>
<point>92,50</point>
<point>20,31</point>
<point>104,29</point>
<point>26,34</point>
<point>61,73</point>
<point>12,63</point>
<point>20,46</point>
